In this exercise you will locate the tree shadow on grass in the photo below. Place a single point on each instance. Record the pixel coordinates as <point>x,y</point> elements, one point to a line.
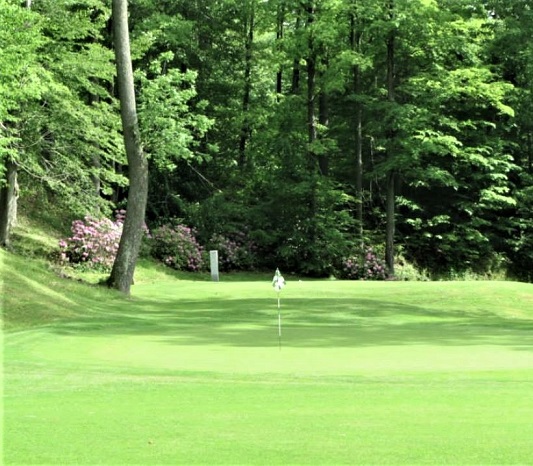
<point>305,323</point>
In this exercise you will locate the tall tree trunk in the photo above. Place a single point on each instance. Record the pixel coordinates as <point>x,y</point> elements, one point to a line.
<point>8,203</point>
<point>95,158</point>
<point>311,122</point>
<point>323,119</point>
<point>295,81</point>
<point>95,177</point>
<point>245,129</point>
<point>391,227</point>
<point>311,87</point>
<point>118,191</point>
<point>279,37</point>
<point>355,41</point>
<point>323,115</point>
<point>529,153</point>
<point>390,199</point>
<point>121,276</point>
<point>9,192</point>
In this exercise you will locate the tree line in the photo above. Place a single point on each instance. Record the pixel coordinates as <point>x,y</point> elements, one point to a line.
<point>318,128</point>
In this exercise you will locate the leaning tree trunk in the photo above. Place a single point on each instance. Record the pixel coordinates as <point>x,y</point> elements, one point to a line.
<point>124,266</point>
<point>8,203</point>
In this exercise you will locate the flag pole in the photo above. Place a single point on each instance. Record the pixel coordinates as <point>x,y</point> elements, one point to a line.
<point>278,282</point>
<point>279,322</point>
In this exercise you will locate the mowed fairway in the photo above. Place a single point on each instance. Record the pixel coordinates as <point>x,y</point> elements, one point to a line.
<point>190,372</point>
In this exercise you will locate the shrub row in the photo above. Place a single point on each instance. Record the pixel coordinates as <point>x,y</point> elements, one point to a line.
<point>94,244</point>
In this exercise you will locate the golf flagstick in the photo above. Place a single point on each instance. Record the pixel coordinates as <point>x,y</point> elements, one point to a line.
<point>279,322</point>
<point>278,282</point>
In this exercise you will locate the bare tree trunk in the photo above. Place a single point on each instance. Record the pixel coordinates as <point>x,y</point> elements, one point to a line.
<point>390,200</point>
<point>121,276</point>
<point>8,203</point>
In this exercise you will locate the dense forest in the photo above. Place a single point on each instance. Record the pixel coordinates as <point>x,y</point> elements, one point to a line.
<point>312,134</point>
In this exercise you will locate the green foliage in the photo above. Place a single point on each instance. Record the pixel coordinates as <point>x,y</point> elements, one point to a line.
<point>440,246</point>
<point>521,246</point>
<point>225,109</point>
<point>407,271</point>
<point>20,74</point>
<point>22,78</point>
<point>171,126</point>
<point>303,227</point>
<point>66,129</point>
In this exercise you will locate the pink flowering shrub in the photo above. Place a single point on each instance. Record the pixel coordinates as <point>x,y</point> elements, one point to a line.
<point>94,242</point>
<point>364,267</point>
<point>235,253</point>
<point>177,247</point>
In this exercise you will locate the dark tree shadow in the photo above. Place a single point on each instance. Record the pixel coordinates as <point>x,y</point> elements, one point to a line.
<point>305,323</point>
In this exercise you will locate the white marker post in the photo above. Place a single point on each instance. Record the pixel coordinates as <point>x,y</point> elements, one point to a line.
<point>213,262</point>
<point>278,282</point>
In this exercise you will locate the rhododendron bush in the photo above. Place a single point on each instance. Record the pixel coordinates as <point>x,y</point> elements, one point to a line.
<point>235,253</point>
<point>367,266</point>
<point>177,247</point>
<point>93,243</point>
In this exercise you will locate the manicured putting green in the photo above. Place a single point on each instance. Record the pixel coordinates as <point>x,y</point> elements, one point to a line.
<point>190,372</point>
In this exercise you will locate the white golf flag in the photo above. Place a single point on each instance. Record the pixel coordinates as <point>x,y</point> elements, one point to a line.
<point>278,282</point>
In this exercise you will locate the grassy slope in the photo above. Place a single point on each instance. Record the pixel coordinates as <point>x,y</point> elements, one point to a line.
<point>189,371</point>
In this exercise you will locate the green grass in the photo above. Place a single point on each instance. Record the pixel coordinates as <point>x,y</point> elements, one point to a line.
<point>188,371</point>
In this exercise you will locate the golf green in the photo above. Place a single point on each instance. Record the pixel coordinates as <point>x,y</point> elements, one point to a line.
<point>194,372</point>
